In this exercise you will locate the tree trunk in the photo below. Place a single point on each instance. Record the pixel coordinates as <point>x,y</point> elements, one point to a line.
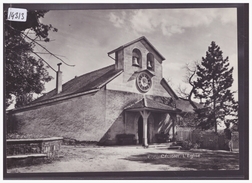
<point>193,88</point>
<point>214,106</point>
<point>190,98</point>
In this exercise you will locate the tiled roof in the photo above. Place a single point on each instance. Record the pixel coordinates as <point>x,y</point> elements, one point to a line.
<point>146,103</point>
<point>86,82</point>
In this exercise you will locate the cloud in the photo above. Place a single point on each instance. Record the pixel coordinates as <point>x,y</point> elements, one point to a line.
<point>176,21</point>
<point>141,22</point>
<point>169,30</point>
<point>170,21</point>
<point>117,20</point>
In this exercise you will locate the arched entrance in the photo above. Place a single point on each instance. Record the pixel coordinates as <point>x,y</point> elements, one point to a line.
<point>140,130</point>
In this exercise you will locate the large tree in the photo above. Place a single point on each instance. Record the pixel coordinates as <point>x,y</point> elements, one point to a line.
<point>25,70</point>
<point>212,86</point>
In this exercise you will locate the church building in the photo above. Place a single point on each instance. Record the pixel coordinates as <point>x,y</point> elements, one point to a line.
<point>128,102</point>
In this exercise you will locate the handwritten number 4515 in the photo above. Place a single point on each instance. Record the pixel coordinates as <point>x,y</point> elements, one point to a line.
<point>16,15</point>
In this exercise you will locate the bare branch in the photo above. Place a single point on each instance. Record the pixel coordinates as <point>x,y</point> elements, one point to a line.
<point>190,73</point>
<point>169,80</point>
<point>190,78</point>
<point>48,53</point>
<point>44,61</point>
<point>28,31</point>
<point>182,92</point>
<point>34,40</point>
<point>50,40</point>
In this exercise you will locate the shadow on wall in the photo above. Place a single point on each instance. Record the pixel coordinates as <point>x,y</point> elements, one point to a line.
<point>117,127</point>
<point>165,125</point>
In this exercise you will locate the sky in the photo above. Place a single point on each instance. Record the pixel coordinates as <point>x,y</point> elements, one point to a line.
<point>182,36</point>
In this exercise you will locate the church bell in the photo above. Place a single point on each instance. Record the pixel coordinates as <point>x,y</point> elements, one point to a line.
<point>149,64</point>
<point>135,61</point>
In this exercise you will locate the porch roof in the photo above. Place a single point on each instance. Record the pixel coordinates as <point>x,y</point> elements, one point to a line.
<point>150,105</point>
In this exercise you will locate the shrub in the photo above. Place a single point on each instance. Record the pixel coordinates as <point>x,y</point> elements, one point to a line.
<point>187,145</point>
<point>196,145</point>
<point>161,138</point>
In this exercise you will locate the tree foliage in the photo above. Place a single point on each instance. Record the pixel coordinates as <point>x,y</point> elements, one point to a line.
<point>214,79</point>
<point>25,72</point>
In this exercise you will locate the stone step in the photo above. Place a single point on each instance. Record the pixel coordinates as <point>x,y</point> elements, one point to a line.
<point>25,160</point>
<point>164,145</point>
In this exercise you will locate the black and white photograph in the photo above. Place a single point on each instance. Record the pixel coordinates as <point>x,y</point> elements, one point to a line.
<point>125,89</point>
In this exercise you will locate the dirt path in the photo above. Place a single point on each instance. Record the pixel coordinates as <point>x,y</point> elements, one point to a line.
<point>99,159</point>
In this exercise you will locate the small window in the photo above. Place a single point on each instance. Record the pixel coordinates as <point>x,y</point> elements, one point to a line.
<point>150,61</point>
<point>136,58</point>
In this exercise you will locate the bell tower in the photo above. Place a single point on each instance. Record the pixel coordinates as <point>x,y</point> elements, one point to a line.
<point>141,66</point>
<point>137,55</point>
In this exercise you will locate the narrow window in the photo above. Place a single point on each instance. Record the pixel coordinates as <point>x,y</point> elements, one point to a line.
<point>150,61</point>
<point>136,58</point>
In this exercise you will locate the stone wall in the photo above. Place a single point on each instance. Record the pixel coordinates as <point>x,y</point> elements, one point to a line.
<point>48,146</point>
<point>96,117</point>
<point>81,118</point>
<point>23,152</point>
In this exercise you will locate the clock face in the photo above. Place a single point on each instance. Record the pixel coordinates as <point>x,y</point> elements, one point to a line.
<point>144,82</point>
